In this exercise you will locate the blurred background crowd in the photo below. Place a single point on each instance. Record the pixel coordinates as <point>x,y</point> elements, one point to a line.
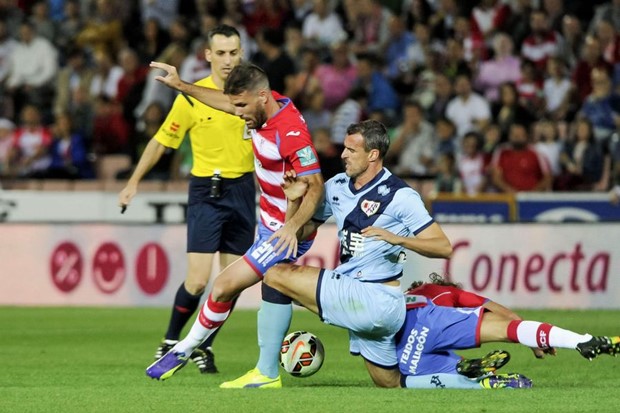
<point>479,96</point>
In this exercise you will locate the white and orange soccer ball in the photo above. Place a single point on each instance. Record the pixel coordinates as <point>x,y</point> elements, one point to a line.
<point>302,354</point>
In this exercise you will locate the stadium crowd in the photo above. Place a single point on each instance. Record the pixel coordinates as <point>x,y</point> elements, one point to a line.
<point>480,96</point>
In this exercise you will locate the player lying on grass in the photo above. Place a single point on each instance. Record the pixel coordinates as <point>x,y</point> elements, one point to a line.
<point>432,330</point>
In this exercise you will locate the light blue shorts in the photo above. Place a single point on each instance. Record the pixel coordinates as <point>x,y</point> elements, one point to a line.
<point>372,312</point>
<point>261,256</point>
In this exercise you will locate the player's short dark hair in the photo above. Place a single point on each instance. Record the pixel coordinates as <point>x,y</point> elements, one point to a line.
<point>223,30</point>
<point>245,77</point>
<point>374,133</point>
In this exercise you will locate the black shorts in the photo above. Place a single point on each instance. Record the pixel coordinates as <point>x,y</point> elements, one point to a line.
<point>226,224</point>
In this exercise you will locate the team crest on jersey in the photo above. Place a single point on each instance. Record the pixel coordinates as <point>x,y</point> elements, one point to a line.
<point>370,207</point>
<point>306,156</point>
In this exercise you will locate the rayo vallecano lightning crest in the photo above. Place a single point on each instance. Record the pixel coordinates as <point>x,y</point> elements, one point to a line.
<point>370,207</point>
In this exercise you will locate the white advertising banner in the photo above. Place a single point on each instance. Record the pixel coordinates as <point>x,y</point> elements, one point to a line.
<point>91,206</point>
<point>533,265</point>
<point>521,266</point>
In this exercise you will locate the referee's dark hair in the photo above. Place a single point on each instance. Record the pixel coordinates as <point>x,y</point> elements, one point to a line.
<point>223,30</point>
<point>245,77</point>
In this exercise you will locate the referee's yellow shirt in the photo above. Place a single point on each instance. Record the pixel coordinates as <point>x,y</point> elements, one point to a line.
<point>218,139</point>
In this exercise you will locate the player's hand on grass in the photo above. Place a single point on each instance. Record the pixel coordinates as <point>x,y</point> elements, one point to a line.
<point>293,188</point>
<point>286,241</point>
<point>380,234</point>
<point>171,79</point>
<point>541,352</point>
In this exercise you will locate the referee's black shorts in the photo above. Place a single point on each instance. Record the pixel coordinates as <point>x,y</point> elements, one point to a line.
<point>226,224</point>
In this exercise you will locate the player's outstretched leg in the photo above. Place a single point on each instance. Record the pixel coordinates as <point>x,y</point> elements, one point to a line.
<point>599,345</point>
<point>506,381</point>
<point>476,368</point>
<point>166,366</point>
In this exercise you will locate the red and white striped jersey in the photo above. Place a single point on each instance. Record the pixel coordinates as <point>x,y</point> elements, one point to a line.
<point>282,143</point>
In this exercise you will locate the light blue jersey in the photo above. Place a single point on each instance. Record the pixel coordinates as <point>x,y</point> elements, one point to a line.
<point>386,202</point>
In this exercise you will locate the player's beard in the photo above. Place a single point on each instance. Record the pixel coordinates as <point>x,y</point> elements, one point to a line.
<point>260,116</point>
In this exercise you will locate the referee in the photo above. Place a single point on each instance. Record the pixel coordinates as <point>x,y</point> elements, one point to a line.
<point>221,214</point>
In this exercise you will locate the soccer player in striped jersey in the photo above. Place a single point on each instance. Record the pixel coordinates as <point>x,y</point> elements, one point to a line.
<point>281,142</point>
<point>223,222</point>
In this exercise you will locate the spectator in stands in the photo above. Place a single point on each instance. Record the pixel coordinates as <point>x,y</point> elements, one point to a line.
<point>68,27</point>
<point>609,10</point>
<point>447,179</point>
<point>504,67</point>
<point>602,106</point>
<point>397,63</point>
<point>41,21</point>
<point>107,75</point>
<point>542,42</point>
<point>154,91</point>
<point>573,37</point>
<point>474,45</point>
<point>488,17</point>
<point>413,149</point>
<point>444,137</point>
<point>547,143</point>
<point>530,89</point>
<point>491,138</point>
<point>110,131</point>
<point>146,128</point>
<point>558,91</point>
<point>104,29</point>
<point>34,63</point>
<point>442,21</point>
<point>162,11</point>
<point>6,143</point>
<point>272,58</point>
<point>472,165</point>
<point>7,44</point>
<point>68,153</point>
<point>584,163</point>
<point>305,83</point>
<point>591,58</point>
<point>555,10</point>
<point>509,109</point>
<point>73,89</point>
<point>382,97</point>
<point>352,110</point>
<point>315,114</point>
<point>31,141</point>
<point>194,66</point>
<point>468,110</point>
<point>338,77</point>
<point>610,41</point>
<point>328,152</point>
<point>266,14</point>
<point>323,26</point>
<point>152,41</point>
<point>452,63</point>
<point>370,29</point>
<point>441,89</point>
<point>517,167</point>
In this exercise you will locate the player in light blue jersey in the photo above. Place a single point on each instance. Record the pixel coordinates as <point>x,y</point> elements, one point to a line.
<point>378,216</point>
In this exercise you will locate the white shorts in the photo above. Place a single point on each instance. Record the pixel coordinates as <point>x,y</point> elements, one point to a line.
<point>372,312</point>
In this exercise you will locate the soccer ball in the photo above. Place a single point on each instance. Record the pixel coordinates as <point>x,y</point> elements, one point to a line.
<point>302,354</point>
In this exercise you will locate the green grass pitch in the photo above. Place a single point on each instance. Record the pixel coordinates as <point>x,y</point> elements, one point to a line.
<point>93,360</point>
